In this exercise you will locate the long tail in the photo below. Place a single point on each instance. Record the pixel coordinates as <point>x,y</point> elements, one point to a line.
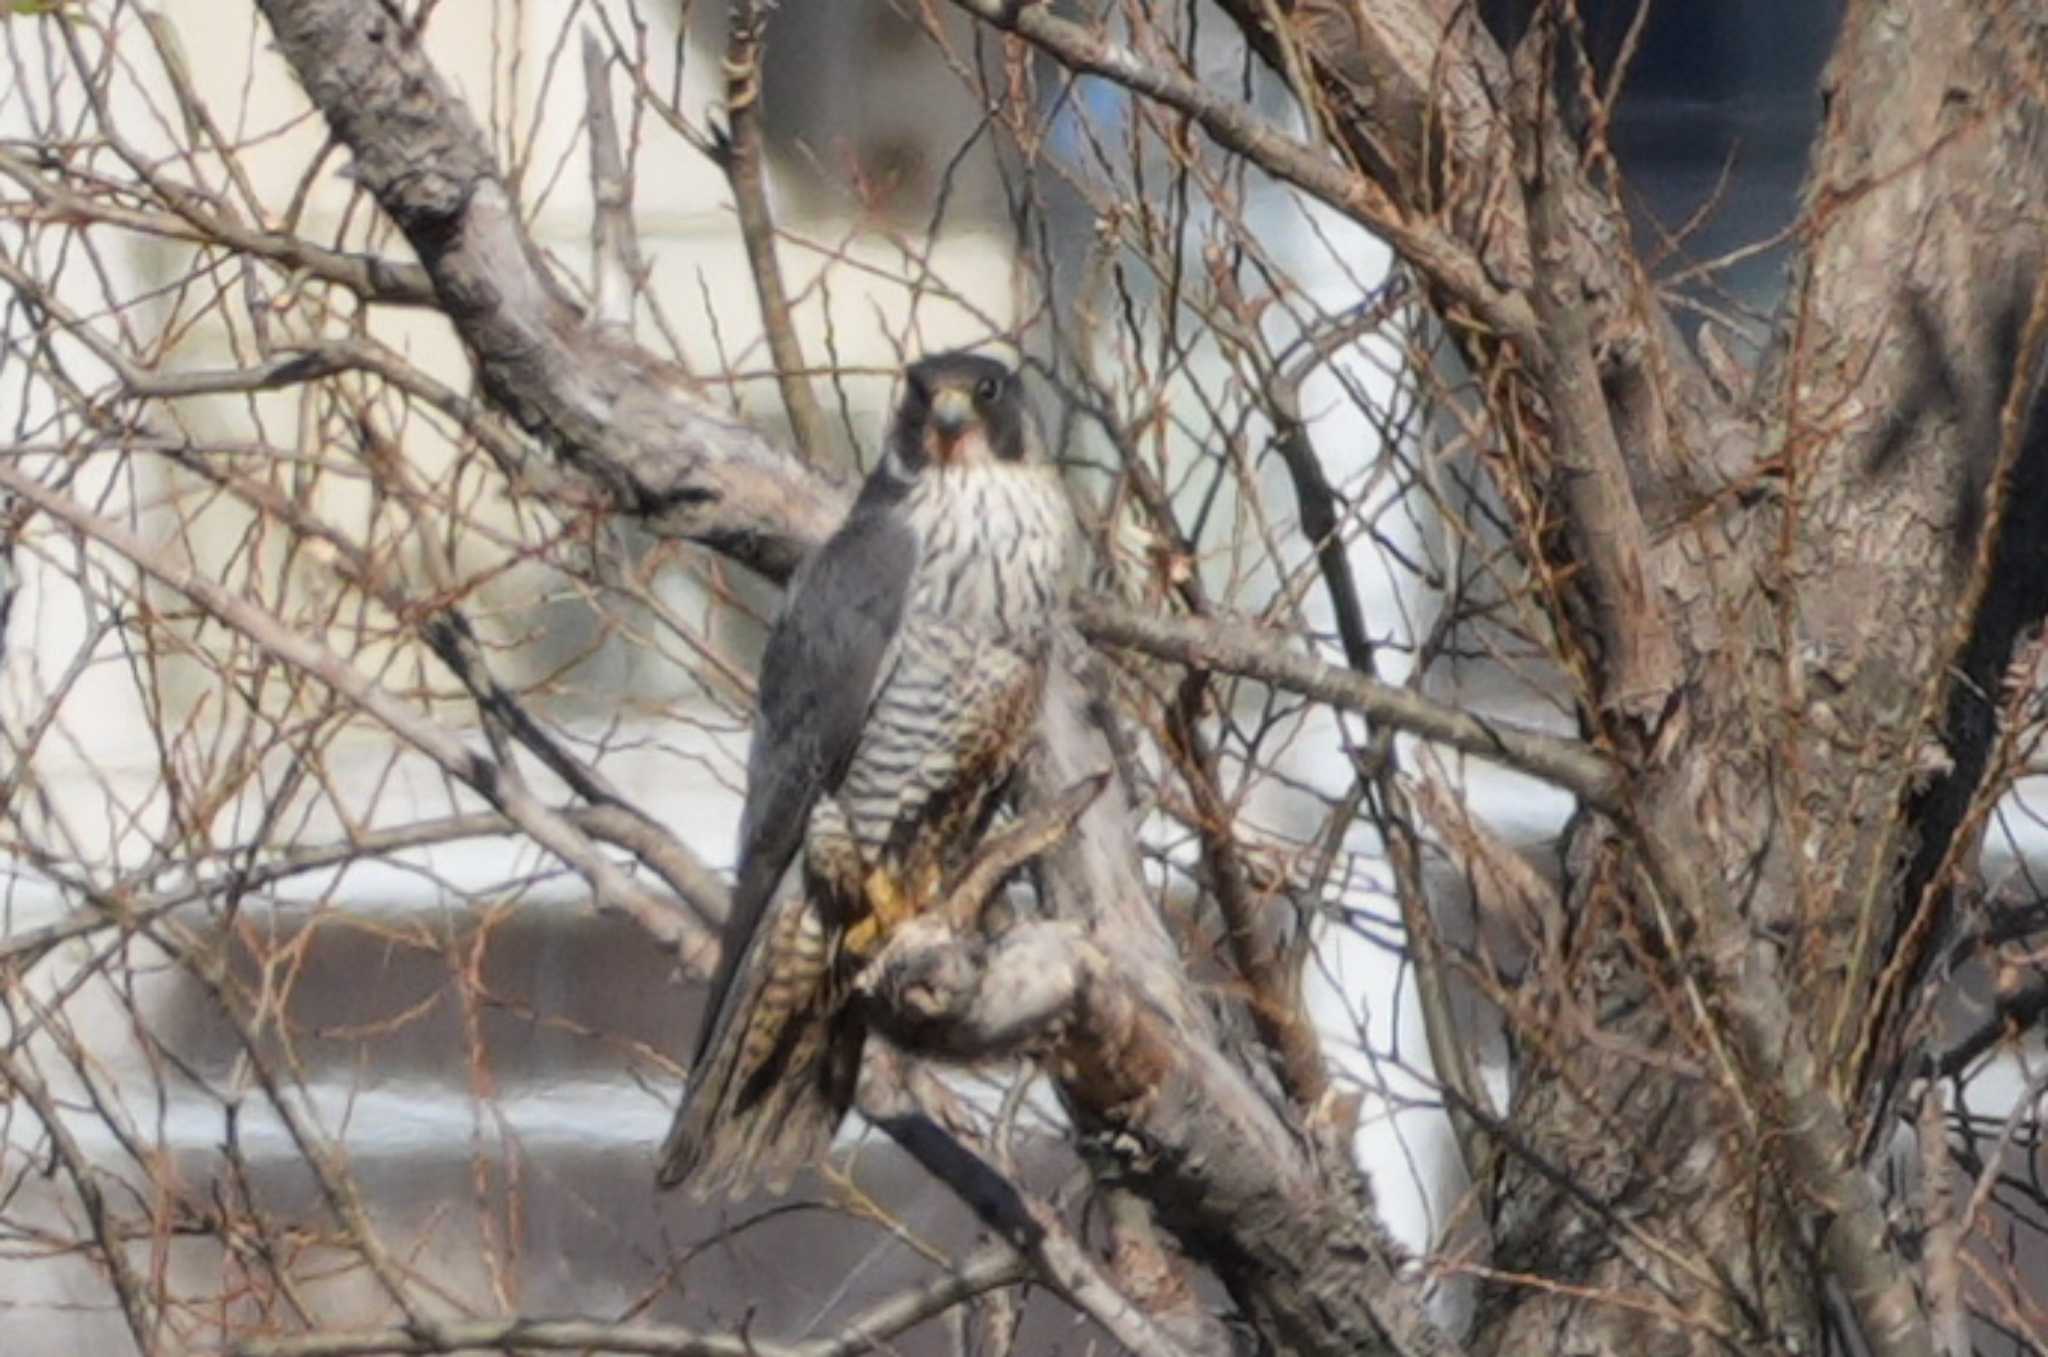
<point>777,1074</point>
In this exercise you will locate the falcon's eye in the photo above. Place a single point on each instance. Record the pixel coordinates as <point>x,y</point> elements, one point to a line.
<point>987,389</point>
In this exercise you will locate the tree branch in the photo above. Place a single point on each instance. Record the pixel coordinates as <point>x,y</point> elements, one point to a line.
<point>547,827</point>
<point>1414,91</point>
<point>511,1334</point>
<point>626,419</point>
<point>392,282</point>
<point>1234,127</point>
<point>1028,1225</point>
<point>616,268</point>
<point>740,156</point>
<point>1161,1109</point>
<point>1238,648</point>
<point>1603,519</point>
<point>985,1270</point>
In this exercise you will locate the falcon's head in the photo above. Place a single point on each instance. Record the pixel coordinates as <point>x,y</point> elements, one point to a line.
<point>959,410</point>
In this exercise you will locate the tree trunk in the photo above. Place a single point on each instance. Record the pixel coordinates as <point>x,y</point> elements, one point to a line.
<point>1695,1113</point>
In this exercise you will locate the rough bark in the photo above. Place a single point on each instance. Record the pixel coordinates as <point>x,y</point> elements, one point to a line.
<point>1745,935</point>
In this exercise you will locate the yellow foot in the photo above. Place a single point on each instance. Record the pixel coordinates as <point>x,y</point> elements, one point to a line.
<point>891,901</point>
<point>886,907</point>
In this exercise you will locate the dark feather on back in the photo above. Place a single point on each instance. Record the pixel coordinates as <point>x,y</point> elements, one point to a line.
<point>817,679</point>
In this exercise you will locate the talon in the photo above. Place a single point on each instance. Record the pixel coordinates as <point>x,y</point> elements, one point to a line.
<point>892,899</point>
<point>929,883</point>
<point>886,907</point>
<point>889,903</point>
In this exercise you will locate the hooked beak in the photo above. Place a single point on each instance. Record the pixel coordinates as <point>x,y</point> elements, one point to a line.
<point>952,416</point>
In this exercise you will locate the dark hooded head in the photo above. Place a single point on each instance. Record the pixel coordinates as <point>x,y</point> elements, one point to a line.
<point>958,410</point>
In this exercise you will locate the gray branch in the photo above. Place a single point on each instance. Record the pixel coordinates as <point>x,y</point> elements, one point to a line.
<point>1240,648</point>
<point>625,418</point>
<point>994,1266</point>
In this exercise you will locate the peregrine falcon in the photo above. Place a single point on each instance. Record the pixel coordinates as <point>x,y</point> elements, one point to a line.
<point>898,692</point>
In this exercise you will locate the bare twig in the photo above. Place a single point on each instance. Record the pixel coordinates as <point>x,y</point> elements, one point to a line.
<point>1274,998</point>
<point>615,267</point>
<point>130,1289</point>
<point>1233,125</point>
<point>980,1272</point>
<point>392,282</point>
<point>741,158</point>
<point>547,827</point>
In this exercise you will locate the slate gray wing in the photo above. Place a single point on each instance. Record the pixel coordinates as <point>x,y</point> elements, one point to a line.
<point>818,678</point>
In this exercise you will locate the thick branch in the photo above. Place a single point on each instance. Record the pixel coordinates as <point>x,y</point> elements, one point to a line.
<point>1028,1225</point>
<point>630,421</point>
<point>1603,519</point>
<point>1051,990</point>
<point>1238,648</point>
<point>1781,1085</point>
<point>1412,90</point>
